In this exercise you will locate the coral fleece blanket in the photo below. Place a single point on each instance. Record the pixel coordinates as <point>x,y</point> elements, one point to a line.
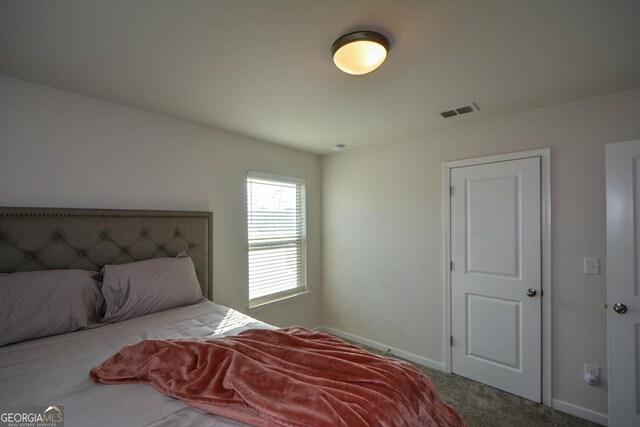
<point>285,377</point>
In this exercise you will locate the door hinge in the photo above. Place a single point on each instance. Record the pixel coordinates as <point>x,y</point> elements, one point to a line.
<point>451,340</point>
<point>450,265</point>
<point>451,190</point>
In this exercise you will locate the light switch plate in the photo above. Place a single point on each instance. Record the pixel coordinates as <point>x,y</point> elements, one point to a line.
<point>591,265</point>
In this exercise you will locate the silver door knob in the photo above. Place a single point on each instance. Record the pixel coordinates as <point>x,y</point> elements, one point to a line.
<point>531,292</point>
<point>619,308</point>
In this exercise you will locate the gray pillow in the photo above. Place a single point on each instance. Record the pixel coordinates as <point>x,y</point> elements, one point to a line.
<point>36,304</point>
<point>144,287</point>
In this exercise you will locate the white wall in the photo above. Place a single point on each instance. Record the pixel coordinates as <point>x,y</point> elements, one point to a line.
<point>383,232</point>
<point>59,149</point>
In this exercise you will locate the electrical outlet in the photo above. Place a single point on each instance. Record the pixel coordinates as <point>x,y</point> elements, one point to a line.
<point>591,374</point>
<point>591,265</point>
<point>346,310</point>
<point>592,369</point>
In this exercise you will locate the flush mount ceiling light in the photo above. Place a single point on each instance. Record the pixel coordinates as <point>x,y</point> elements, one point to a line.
<point>360,52</point>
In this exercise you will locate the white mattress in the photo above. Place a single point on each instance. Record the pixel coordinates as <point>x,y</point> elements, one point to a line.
<point>55,370</point>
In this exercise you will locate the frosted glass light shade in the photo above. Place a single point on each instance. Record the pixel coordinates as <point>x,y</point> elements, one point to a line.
<point>360,52</point>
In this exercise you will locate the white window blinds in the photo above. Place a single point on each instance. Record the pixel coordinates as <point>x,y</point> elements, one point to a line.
<point>277,240</point>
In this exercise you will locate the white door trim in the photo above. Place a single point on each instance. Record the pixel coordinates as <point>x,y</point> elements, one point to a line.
<point>545,187</point>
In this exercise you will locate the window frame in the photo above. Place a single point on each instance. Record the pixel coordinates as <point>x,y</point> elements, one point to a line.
<point>301,285</point>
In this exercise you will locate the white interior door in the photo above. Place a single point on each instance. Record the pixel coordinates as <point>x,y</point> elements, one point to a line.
<point>623,282</point>
<point>496,275</point>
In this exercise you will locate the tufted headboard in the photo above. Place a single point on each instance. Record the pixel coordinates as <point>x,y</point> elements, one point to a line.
<point>51,238</point>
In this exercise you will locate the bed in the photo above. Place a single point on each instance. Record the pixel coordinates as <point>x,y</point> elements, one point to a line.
<point>54,370</point>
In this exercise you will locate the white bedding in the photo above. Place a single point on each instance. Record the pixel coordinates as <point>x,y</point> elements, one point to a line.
<point>55,370</point>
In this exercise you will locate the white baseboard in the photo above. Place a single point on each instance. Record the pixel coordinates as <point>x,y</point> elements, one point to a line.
<point>412,357</point>
<point>579,411</point>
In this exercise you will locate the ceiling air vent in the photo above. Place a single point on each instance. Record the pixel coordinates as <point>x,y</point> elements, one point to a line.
<point>458,111</point>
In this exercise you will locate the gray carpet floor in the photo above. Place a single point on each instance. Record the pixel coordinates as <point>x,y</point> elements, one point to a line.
<point>484,406</point>
<point>481,405</point>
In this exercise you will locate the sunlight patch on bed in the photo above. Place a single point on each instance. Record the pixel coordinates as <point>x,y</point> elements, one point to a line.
<point>232,320</point>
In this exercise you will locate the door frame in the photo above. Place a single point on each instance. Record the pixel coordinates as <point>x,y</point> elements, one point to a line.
<point>545,188</point>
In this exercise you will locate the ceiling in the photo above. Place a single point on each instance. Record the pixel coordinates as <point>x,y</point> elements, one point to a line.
<point>262,68</point>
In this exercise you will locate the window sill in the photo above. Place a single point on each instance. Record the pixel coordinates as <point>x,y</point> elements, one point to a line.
<point>278,301</point>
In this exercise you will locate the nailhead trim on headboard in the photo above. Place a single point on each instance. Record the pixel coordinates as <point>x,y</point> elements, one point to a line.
<point>54,238</point>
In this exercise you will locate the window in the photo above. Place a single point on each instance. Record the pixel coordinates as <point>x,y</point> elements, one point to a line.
<point>277,237</point>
